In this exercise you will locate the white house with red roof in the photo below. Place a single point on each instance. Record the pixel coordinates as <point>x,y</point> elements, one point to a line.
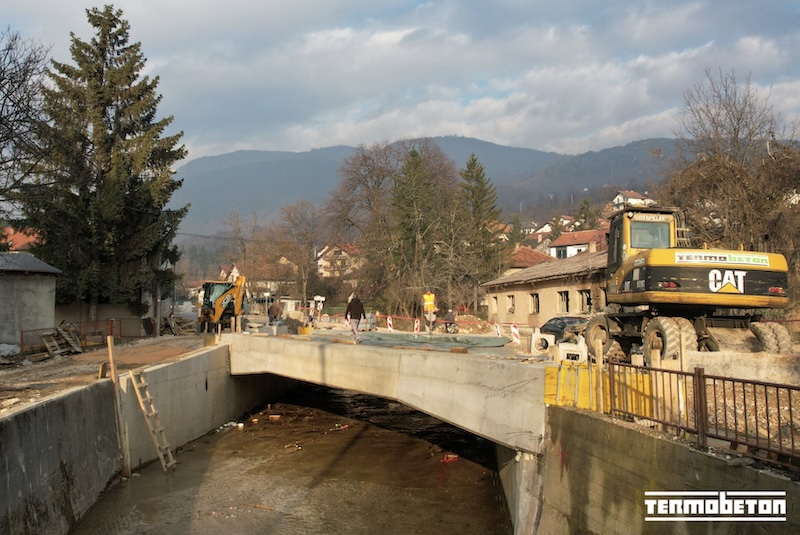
<point>629,198</point>
<point>571,243</point>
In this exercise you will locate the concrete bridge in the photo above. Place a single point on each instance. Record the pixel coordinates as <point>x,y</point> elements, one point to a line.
<point>498,398</point>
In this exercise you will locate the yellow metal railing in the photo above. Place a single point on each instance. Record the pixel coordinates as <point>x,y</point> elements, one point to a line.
<point>586,386</point>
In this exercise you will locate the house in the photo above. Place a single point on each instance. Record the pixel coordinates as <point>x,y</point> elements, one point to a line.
<point>28,294</point>
<point>629,198</point>
<point>572,286</point>
<point>338,260</point>
<point>540,237</point>
<point>524,257</point>
<point>571,243</point>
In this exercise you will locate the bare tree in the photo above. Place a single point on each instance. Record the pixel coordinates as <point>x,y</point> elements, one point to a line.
<point>737,173</point>
<point>299,229</point>
<point>727,120</point>
<point>22,70</point>
<point>247,246</point>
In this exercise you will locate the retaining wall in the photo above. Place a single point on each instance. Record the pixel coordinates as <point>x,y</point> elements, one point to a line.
<point>61,453</point>
<point>594,472</point>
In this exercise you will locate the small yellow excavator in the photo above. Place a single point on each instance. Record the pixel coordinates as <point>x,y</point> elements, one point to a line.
<point>662,294</point>
<point>222,305</point>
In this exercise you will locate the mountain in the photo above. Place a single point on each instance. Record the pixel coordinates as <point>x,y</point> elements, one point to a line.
<point>248,181</point>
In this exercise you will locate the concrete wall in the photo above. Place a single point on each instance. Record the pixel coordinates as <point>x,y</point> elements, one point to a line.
<point>59,454</point>
<point>193,396</point>
<point>28,302</point>
<point>501,400</point>
<point>595,472</point>
<point>549,300</point>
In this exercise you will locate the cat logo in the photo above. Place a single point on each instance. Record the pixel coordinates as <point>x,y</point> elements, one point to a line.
<point>728,281</point>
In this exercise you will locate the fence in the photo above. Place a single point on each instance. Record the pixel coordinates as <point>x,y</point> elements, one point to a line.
<point>755,418</point>
<point>92,333</point>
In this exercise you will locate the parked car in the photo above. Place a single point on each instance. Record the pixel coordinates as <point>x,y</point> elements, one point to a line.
<point>561,325</point>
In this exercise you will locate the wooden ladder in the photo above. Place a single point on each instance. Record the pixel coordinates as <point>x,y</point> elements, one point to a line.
<point>153,423</point>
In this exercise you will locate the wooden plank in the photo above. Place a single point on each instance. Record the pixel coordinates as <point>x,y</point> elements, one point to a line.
<point>68,339</point>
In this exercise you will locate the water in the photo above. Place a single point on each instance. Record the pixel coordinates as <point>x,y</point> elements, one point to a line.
<point>321,461</point>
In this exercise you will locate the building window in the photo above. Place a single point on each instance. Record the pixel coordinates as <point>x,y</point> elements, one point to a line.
<point>495,304</point>
<point>510,301</point>
<point>563,302</point>
<point>586,301</point>
<point>534,303</point>
<point>561,253</point>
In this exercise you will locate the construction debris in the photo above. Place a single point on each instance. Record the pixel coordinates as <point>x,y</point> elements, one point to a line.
<point>176,325</point>
<point>63,340</point>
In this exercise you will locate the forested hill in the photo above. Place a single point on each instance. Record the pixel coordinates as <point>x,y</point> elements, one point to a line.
<point>248,181</point>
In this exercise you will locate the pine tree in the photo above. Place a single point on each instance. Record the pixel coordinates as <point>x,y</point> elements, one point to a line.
<point>587,217</point>
<point>516,236</point>
<point>480,197</point>
<point>100,197</point>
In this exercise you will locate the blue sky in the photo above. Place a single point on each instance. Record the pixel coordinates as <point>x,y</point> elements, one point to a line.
<point>567,76</point>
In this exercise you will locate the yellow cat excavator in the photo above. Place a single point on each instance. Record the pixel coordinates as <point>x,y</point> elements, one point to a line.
<point>222,305</point>
<point>661,294</point>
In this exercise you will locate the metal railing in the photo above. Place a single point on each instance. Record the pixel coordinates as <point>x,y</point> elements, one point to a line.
<point>756,418</point>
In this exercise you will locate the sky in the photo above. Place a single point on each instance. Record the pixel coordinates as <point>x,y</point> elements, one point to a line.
<point>567,77</point>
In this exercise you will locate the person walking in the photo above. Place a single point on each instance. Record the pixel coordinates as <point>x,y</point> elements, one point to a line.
<point>275,311</point>
<point>354,312</point>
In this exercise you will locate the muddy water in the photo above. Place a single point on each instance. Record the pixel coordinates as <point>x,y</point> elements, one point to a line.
<point>320,461</point>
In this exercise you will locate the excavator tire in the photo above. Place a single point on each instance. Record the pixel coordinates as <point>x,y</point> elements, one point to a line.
<point>766,337</point>
<point>687,333</point>
<point>661,341</point>
<point>597,330</point>
<point>783,338</point>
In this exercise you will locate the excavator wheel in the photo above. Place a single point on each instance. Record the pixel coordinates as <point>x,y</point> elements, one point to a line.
<point>661,341</point>
<point>773,337</point>
<point>597,330</point>
<point>784,339</point>
<point>687,333</point>
<point>766,337</point>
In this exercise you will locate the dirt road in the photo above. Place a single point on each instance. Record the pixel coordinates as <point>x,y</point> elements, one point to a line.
<point>28,380</point>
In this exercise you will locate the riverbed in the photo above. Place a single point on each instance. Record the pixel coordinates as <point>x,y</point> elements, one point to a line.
<point>318,461</point>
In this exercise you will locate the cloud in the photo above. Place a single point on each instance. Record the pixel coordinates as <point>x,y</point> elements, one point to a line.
<point>562,76</point>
